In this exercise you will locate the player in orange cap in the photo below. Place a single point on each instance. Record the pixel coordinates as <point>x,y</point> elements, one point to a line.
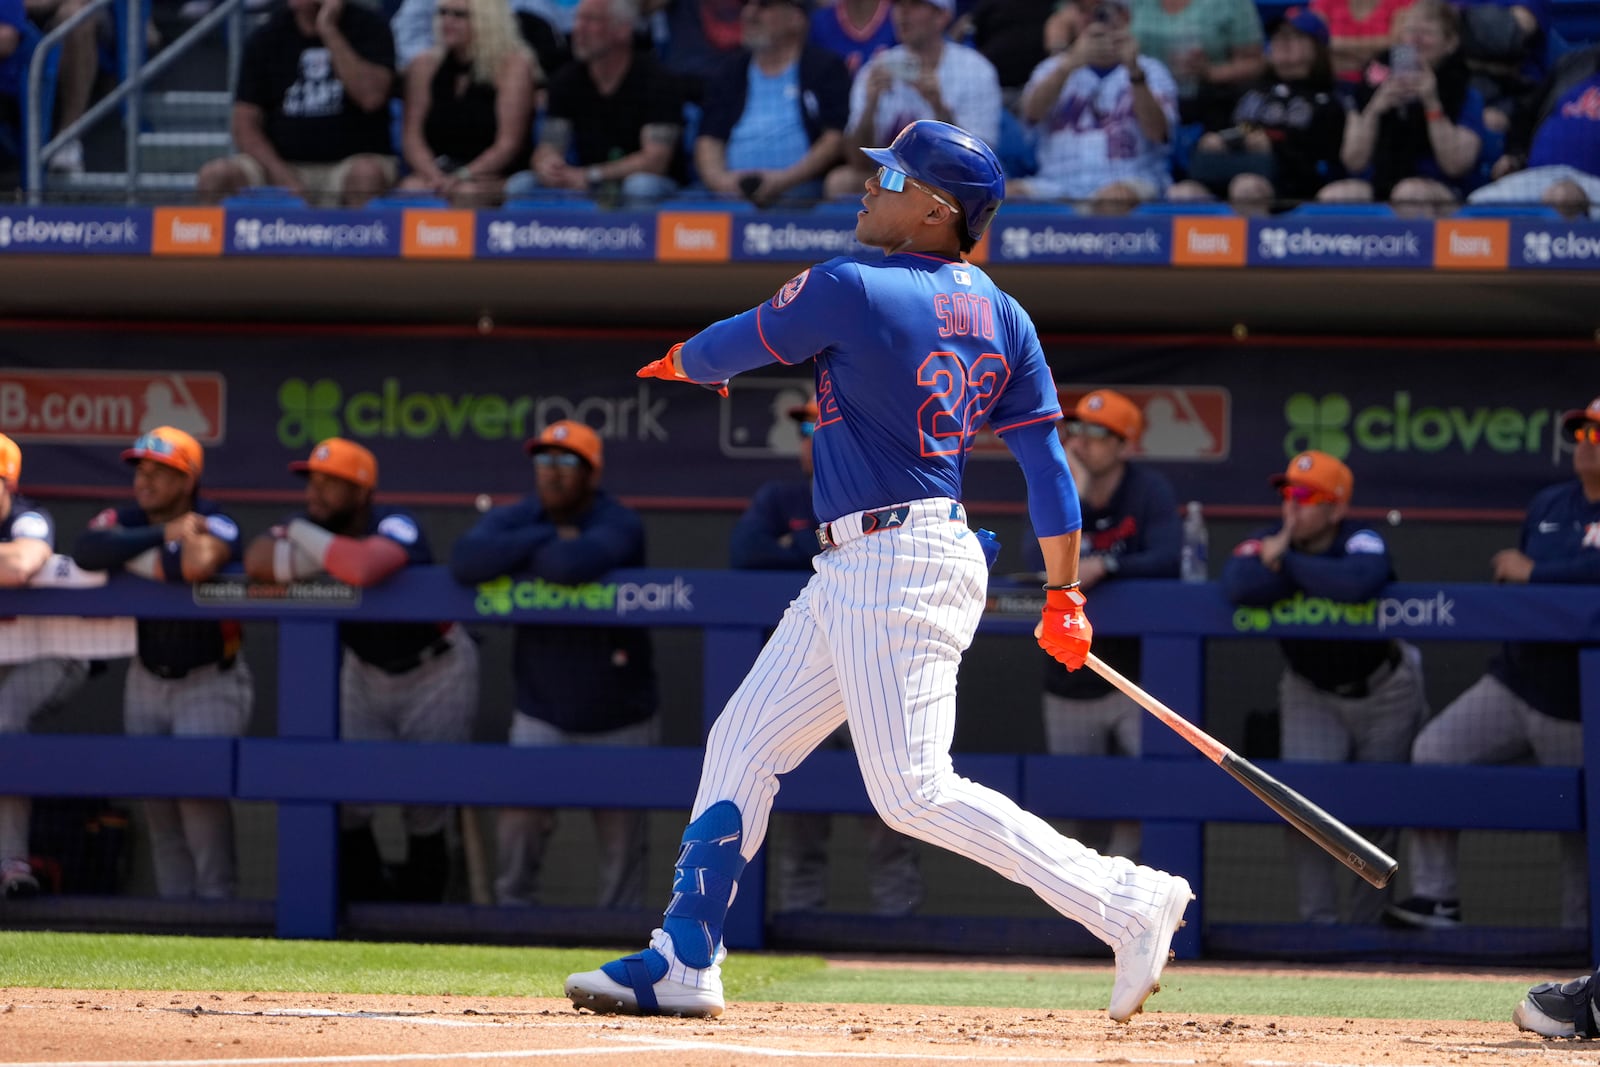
<point>189,678</point>
<point>402,681</point>
<point>578,685</point>
<point>1528,703</point>
<point>1338,700</point>
<point>27,541</point>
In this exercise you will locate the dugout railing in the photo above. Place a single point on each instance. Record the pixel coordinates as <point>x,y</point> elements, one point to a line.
<point>306,771</point>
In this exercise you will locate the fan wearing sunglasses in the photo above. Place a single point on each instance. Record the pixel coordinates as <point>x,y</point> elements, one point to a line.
<point>1527,702</point>
<point>1339,701</point>
<point>573,685</point>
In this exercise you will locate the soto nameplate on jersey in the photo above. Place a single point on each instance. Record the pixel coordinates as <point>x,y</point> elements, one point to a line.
<point>320,591</point>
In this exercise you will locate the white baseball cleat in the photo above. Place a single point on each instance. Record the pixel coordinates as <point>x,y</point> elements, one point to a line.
<point>1139,962</point>
<point>638,985</point>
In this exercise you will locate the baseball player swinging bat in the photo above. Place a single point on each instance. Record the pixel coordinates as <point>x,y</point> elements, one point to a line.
<point>1337,839</point>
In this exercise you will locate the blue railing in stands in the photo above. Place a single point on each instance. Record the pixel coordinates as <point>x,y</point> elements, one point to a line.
<point>307,771</point>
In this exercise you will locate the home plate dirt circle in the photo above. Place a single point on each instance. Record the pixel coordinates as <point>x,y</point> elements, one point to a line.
<point>116,1028</point>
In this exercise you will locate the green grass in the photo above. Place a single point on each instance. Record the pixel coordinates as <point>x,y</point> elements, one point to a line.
<point>121,961</point>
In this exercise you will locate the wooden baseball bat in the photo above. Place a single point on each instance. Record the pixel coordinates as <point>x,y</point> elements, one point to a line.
<point>1337,839</point>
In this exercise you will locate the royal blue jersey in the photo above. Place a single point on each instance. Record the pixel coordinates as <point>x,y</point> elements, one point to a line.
<point>914,354</point>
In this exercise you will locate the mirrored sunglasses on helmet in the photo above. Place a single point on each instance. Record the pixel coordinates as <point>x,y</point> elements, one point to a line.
<point>807,429</point>
<point>1305,494</point>
<point>1587,433</point>
<point>895,181</point>
<point>557,459</point>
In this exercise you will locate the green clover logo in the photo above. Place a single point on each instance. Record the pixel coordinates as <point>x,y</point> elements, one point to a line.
<point>1318,424</point>
<point>310,412</point>
<point>494,598</point>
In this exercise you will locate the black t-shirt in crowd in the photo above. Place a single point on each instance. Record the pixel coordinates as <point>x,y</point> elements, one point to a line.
<point>608,127</point>
<point>308,116</point>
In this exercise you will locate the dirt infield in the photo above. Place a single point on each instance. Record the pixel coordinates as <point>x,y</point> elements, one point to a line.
<point>124,1029</point>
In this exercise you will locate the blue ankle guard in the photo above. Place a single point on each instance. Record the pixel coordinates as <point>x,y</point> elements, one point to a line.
<point>708,867</point>
<point>639,972</point>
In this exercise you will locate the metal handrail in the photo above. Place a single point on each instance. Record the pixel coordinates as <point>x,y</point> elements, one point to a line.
<point>38,155</point>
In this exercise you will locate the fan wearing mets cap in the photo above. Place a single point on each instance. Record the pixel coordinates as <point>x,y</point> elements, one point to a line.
<point>1527,703</point>
<point>1339,701</point>
<point>1130,529</point>
<point>913,352</point>
<point>575,685</point>
<point>189,678</point>
<point>27,540</point>
<point>398,681</point>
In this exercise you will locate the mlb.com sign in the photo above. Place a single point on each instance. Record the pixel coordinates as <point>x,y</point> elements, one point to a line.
<point>105,407</point>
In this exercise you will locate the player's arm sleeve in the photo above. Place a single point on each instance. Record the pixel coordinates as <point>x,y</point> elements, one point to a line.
<point>1246,580</point>
<point>799,321</point>
<point>615,539</point>
<point>202,557</point>
<point>358,561</point>
<point>502,542</point>
<point>1163,535</point>
<point>109,547</point>
<point>1052,496</point>
<point>1352,578</point>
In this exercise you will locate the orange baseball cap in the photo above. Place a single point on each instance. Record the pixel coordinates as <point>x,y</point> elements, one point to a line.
<point>1573,419</point>
<point>1109,408</point>
<point>1319,471</point>
<point>569,436</point>
<point>170,447</point>
<point>10,461</point>
<point>806,412</point>
<point>341,459</point>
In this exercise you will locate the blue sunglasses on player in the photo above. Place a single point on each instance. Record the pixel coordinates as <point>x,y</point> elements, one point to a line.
<point>895,181</point>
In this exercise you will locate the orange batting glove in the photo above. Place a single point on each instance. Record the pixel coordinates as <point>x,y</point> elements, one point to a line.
<point>668,368</point>
<point>1064,630</point>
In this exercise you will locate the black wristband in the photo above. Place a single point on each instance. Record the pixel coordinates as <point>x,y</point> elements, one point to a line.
<point>1062,588</point>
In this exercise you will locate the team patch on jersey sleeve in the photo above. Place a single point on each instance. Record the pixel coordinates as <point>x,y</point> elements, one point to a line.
<point>1364,542</point>
<point>222,528</point>
<point>106,520</point>
<point>791,289</point>
<point>31,524</point>
<point>1246,549</point>
<point>398,528</point>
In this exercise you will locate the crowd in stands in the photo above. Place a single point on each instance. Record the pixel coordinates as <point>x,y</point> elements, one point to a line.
<point>1100,105</point>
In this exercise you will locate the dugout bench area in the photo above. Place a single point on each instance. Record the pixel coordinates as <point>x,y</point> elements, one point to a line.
<point>306,771</point>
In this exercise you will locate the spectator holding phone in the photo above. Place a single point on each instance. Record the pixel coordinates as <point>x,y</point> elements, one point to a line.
<point>923,77</point>
<point>1417,130</point>
<point>1104,116</point>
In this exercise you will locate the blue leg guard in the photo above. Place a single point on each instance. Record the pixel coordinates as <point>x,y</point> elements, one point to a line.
<point>708,867</point>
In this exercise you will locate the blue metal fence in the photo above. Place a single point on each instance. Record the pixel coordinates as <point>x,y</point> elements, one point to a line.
<point>307,771</point>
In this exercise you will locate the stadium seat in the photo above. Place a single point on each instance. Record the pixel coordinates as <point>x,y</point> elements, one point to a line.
<point>264,196</point>
<point>551,200</point>
<point>1316,208</point>
<point>403,198</point>
<point>1183,207</point>
<point>1506,211</point>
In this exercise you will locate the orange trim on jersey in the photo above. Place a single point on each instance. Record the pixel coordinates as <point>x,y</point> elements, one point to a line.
<point>1029,422</point>
<point>763,335</point>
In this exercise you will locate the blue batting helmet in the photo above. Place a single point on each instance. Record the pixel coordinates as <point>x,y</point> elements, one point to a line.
<point>950,159</point>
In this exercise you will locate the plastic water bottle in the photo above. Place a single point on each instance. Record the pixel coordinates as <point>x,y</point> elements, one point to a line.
<point>1192,565</point>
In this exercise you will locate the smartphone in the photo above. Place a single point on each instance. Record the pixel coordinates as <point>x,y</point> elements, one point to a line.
<point>1403,59</point>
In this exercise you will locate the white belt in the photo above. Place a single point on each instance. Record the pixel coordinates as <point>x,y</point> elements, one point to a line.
<point>847,528</point>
